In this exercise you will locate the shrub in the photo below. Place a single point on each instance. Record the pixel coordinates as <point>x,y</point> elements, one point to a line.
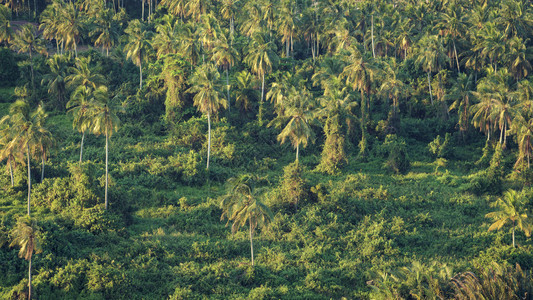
<point>395,150</point>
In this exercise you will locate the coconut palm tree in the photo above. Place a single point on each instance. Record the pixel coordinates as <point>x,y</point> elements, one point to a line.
<point>9,149</point>
<point>204,85</point>
<point>461,94</point>
<point>137,44</point>
<point>106,30</point>
<point>166,40</point>
<point>26,237</point>
<point>83,74</point>
<point>512,208</point>
<point>6,33</point>
<point>105,121</point>
<point>299,116</point>
<point>224,55</point>
<point>56,79</point>
<point>261,58</point>
<point>245,90</point>
<point>43,138</point>
<point>431,56</point>
<point>241,205</point>
<point>28,40</point>
<point>82,105</point>
<point>28,129</point>
<point>72,25</point>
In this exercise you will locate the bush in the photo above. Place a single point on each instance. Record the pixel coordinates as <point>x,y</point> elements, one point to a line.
<point>395,149</point>
<point>9,70</point>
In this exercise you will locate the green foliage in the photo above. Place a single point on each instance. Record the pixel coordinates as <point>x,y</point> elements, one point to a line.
<point>489,180</point>
<point>9,70</point>
<point>438,148</point>
<point>293,188</point>
<point>395,150</point>
<point>494,282</point>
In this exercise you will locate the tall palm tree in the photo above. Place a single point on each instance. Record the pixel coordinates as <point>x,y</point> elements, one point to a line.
<point>461,94</point>
<point>261,58</point>
<point>204,84</point>
<point>82,105</point>
<point>26,236</point>
<point>105,121</point>
<point>431,56</point>
<point>512,208</point>
<point>453,25</point>
<point>228,10</point>
<point>9,149</point>
<point>224,55</point>
<point>106,30</point>
<point>137,44</point>
<point>359,74</point>
<point>166,40</point>
<point>83,74</point>
<point>28,40</point>
<point>523,129</point>
<point>299,116</point>
<point>241,205</point>
<point>43,138</point>
<point>72,25</point>
<point>56,79</point>
<point>28,128</point>
<point>51,22</point>
<point>6,33</point>
<point>245,91</point>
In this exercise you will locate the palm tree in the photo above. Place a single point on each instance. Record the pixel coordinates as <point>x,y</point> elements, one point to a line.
<point>359,74</point>
<point>299,116</point>
<point>166,41</point>
<point>26,236</point>
<point>431,57</point>
<point>224,55</point>
<point>56,79</point>
<point>82,106</point>
<point>204,84</point>
<point>43,138</point>
<point>6,33</point>
<point>9,149</point>
<point>452,26</point>
<point>72,25</point>
<point>28,128</point>
<point>105,121</point>
<point>176,7</point>
<point>51,22</point>
<point>460,94</point>
<point>524,132</point>
<point>138,44</point>
<point>246,92</point>
<point>27,40</point>
<point>106,31</point>
<point>84,75</point>
<point>393,88</point>
<point>228,11</point>
<point>240,205</point>
<point>512,208</point>
<point>261,58</point>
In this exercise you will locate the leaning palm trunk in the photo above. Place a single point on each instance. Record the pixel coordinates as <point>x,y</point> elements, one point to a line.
<point>430,92</point>
<point>11,173</point>
<point>208,139</point>
<point>29,280</point>
<point>42,168</point>
<point>106,164</point>
<point>81,146</point>
<point>29,177</point>
<point>251,240</point>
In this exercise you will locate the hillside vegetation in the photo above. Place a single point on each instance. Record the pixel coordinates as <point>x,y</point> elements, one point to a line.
<point>201,149</point>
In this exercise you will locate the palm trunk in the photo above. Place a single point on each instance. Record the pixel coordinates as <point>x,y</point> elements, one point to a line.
<point>260,113</point>
<point>11,173</point>
<point>29,280</point>
<point>76,49</point>
<point>32,73</point>
<point>141,73</point>
<point>42,168</point>
<point>373,50</point>
<point>142,14</point>
<point>81,146</point>
<point>456,58</point>
<point>106,164</point>
<point>29,177</point>
<point>208,139</point>
<point>251,240</point>
<point>513,235</point>
<point>430,92</point>
<point>297,151</point>
<point>227,87</point>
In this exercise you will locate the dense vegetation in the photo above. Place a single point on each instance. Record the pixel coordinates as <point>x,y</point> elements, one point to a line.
<point>357,149</point>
